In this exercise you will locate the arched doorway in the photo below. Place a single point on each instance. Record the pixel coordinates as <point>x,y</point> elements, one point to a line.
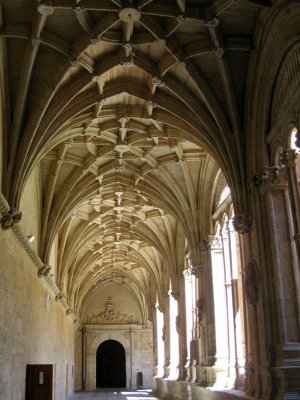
<point>110,365</point>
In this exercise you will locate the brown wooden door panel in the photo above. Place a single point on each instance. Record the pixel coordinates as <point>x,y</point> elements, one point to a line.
<point>39,382</point>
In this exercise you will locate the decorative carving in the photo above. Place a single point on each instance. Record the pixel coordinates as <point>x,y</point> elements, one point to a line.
<point>69,311</point>
<point>123,120</point>
<point>127,45</point>
<point>44,270</point>
<point>288,158</point>
<point>129,14</point>
<point>73,63</point>
<point>267,176</point>
<point>110,316</point>
<point>152,103</point>
<point>187,273</point>
<point>10,218</point>
<point>180,17</point>
<point>60,296</point>
<point>45,8</point>
<point>157,81</point>
<point>174,294</point>
<point>78,7</point>
<point>94,41</point>
<point>196,270</point>
<point>251,282</point>
<point>127,63</point>
<point>242,223</point>
<point>208,242</point>
<point>213,23</point>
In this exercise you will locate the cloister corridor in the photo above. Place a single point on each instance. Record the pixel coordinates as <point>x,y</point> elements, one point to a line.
<point>150,199</point>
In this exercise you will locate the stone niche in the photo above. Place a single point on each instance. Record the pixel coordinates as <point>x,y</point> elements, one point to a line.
<point>114,314</point>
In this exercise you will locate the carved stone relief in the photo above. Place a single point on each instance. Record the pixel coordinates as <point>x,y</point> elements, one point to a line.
<point>270,175</point>
<point>110,316</point>
<point>288,158</point>
<point>242,223</point>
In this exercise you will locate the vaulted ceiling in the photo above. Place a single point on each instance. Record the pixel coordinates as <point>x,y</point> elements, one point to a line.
<point>129,109</point>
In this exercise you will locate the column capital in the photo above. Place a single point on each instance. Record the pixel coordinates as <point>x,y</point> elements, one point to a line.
<point>208,242</point>
<point>187,273</point>
<point>269,176</point>
<point>10,218</point>
<point>242,223</point>
<point>174,294</point>
<point>288,158</point>
<point>196,270</point>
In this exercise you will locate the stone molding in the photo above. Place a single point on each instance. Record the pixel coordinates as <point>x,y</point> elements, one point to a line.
<point>242,223</point>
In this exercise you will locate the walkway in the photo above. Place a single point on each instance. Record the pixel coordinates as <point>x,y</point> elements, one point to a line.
<point>117,394</point>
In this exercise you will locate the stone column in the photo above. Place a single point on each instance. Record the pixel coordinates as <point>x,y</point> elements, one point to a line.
<point>190,371</point>
<point>182,330</point>
<point>174,329</point>
<point>166,335</point>
<point>220,367</point>
<point>155,339</point>
<point>278,361</point>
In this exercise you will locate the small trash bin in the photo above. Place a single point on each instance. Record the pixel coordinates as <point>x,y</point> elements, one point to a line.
<point>139,380</point>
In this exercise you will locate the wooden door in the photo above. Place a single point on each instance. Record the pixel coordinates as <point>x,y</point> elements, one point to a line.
<point>39,382</point>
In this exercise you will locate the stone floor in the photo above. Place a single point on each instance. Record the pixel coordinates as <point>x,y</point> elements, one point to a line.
<point>117,394</point>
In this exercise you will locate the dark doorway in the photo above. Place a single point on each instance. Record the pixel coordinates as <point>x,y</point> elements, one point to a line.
<point>39,382</point>
<point>111,365</point>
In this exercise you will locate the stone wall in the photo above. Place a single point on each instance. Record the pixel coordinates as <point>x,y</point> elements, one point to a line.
<point>34,328</point>
<point>137,342</point>
<point>113,313</point>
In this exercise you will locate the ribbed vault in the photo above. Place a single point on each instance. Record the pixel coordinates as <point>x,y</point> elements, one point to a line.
<point>129,110</point>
